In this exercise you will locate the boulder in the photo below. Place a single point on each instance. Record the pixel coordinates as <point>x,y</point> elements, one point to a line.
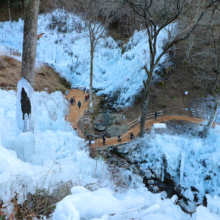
<point>137,158</point>
<point>119,109</point>
<point>94,136</point>
<point>117,122</point>
<point>113,160</point>
<point>148,174</point>
<point>100,128</point>
<point>115,130</point>
<point>150,182</point>
<point>121,149</point>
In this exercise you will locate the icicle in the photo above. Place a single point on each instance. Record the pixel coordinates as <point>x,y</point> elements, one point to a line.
<point>182,167</point>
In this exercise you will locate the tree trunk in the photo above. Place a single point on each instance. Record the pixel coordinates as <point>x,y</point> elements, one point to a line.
<point>144,113</point>
<point>26,84</point>
<point>212,118</point>
<point>30,40</point>
<point>91,73</point>
<point>9,11</point>
<point>145,104</point>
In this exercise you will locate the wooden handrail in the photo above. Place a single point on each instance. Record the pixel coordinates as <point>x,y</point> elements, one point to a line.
<point>136,121</point>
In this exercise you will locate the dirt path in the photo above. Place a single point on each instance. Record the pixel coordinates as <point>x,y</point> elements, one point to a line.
<point>76,113</point>
<point>148,125</point>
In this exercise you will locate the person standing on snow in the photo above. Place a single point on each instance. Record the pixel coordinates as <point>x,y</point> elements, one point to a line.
<point>79,104</point>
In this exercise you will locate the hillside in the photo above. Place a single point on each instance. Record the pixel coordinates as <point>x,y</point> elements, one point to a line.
<point>46,79</point>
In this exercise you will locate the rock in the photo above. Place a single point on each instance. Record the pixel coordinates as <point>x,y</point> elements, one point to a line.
<point>94,136</point>
<point>115,130</point>
<point>188,206</point>
<point>106,154</point>
<point>91,111</point>
<point>137,158</point>
<point>109,149</point>
<point>100,128</point>
<point>155,189</point>
<point>150,182</point>
<point>121,149</point>
<point>113,160</point>
<point>112,122</point>
<point>110,105</point>
<point>119,109</point>
<point>174,199</point>
<point>148,174</point>
<point>142,173</point>
<point>135,170</point>
<point>117,122</point>
<point>153,176</point>
<point>62,190</point>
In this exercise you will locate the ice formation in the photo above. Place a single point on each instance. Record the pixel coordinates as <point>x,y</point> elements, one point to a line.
<point>67,50</point>
<point>26,124</point>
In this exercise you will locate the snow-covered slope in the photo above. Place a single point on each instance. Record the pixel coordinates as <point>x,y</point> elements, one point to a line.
<point>55,154</point>
<point>54,151</point>
<point>196,160</point>
<point>65,46</point>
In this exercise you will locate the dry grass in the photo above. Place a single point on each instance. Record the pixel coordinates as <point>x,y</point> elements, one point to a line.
<point>37,205</point>
<point>45,77</point>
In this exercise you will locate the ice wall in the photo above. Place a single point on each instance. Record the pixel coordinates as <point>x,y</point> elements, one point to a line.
<point>26,124</point>
<point>65,47</point>
<point>191,161</point>
<point>57,156</point>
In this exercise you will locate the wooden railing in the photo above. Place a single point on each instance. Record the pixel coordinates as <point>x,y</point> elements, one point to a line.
<point>136,121</point>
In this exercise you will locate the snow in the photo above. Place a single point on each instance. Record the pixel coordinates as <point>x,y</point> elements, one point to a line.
<point>27,124</point>
<point>191,161</point>
<point>159,125</point>
<point>65,47</point>
<point>51,152</point>
<point>101,204</point>
<point>58,156</point>
<point>51,155</point>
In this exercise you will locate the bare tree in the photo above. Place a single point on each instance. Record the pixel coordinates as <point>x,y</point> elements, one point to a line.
<point>9,12</point>
<point>26,84</point>
<point>157,15</point>
<point>213,24</point>
<point>97,15</point>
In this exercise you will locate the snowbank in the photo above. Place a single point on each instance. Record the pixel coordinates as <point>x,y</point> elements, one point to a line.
<point>191,161</point>
<point>102,204</point>
<point>58,157</point>
<point>51,155</point>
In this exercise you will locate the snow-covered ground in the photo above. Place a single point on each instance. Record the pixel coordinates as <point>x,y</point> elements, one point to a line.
<point>65,47</point>
<point>191,161</point>
<point>55,154</point>
<point>54,150</point>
